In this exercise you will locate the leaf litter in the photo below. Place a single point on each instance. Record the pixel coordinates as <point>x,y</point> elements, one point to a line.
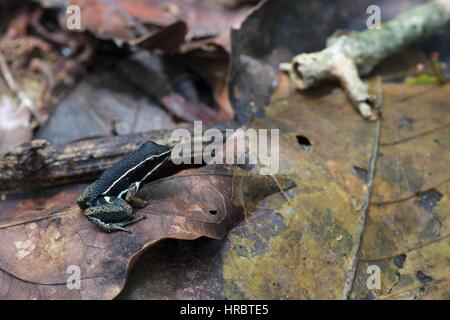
<point>348,195</point>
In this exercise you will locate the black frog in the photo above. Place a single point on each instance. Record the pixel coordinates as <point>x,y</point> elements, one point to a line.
<point>109,201</point>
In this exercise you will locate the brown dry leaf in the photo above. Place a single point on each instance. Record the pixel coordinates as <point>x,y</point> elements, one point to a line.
<point>148,73</point>
<point>200,28</point>
<point>407,228</point>
<point>35,75</point>
<point>161,24</point>
<point>302,248</point>
<point>103,103</point>
<point>303,242</point>
<point>42,236</point>
<point>213,67</point>
<point>414,145</point>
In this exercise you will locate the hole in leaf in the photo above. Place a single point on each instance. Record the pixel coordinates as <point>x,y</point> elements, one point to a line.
<point>361,172</point>
<point>304,142</point>
<point>399,260</point>
<point>422,277</point>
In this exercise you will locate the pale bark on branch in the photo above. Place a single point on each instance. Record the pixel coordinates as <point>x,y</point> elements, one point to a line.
<point>349,56</point>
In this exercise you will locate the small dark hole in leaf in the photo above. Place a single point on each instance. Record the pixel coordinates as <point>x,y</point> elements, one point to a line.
<point>213,212</point>
<point>361,172</point>
<point>423,277</point>
<point>304,142</point>
<point>429,200</point>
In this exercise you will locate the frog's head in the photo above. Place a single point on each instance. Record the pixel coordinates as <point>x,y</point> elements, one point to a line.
<point>151,147</point>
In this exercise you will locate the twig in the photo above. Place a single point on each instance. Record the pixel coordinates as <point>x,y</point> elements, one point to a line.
<point>359,52</point>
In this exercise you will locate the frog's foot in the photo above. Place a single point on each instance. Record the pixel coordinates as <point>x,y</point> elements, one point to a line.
<point>108,227</point>
<point>116,226</point>
<point>139,203</point>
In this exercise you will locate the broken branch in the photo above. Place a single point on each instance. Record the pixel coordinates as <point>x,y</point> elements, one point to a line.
<point>357,53</point>
<point>41,164</point>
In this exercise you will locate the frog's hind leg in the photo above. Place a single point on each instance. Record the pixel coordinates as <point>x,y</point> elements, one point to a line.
<point>108,227</point>
<point>116,226</point>
<point>112,215</point>
<point>133,200</point>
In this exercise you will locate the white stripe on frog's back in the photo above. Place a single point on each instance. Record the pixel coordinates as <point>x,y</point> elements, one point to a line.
<point>140,181</point>
<point>134,168</point>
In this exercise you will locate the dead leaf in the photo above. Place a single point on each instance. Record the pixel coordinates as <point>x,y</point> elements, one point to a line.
<point>314,240</point>
<point>406,233</point>
<point>103,104</point>
<point>194,203</point>
<point>307,244</point>
<point>35,74</point>
<point>200,28</point>
<point>158,24</point>
<point>148,73</point>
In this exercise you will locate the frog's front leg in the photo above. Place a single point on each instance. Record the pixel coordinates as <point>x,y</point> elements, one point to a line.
<point>133,200</point>
<point>112,214</point>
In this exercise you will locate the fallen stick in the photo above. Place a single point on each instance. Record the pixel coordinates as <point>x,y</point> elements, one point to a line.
<point>41,164</point>
<point>357,53</point>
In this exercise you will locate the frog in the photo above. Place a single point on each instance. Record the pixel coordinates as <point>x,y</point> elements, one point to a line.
<point>109,201</point>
